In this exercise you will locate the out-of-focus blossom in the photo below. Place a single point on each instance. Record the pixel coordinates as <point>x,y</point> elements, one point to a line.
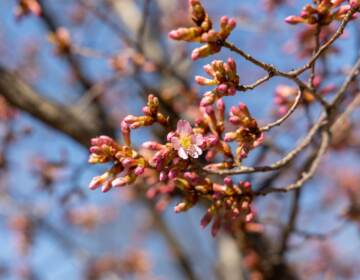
<point>61,40</point>
<point>25,7</point>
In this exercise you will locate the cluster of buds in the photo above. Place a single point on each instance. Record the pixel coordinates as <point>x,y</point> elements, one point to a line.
<point>324,12</point>
<point>203,31</point>
<point>176,162</point>
<point>229,202</point>
<point>224,77</point>
<point>151,116</point>
<point>104,149</point>
<point>61,40</point>
<point>25,7</point>
<point>248,135</point>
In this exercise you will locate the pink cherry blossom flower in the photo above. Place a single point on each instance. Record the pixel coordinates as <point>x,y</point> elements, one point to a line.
<point>186,142</point>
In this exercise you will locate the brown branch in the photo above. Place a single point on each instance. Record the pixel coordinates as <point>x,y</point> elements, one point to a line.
<point>325,46</point>
<point>325,119</point>
<point>307,175</point>
<point>278,164</point>
<point>291,224</point>
<point>287,115</point>
<point>256,84</point>
<point>57,116</point>
<point>71,59</point>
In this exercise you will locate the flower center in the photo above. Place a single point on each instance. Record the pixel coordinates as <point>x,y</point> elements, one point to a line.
<point>185,141</point>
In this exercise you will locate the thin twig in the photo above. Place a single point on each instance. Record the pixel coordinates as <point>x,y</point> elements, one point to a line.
<point>287,115</point>
<point>307,175</point>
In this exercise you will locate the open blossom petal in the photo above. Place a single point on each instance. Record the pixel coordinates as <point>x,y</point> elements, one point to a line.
<point>176,142</point>
<point>194,151</point>
<point>182,153</point>
<point>183,127</point>
<point>185,141</point>
<point>199,139</point>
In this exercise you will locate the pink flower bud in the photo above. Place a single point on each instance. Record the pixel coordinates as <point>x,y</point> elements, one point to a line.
<point>228,181</point>
<point>96,182</point>
<point>195,54</point>
<point>206,219</point>
<point>222,88</point>
<point>139,170</point>
<point>232,23</point>
<point>219,188</point>
<point>129,119</point>
<point>106,187</point>
<point>119,182</point>
<point>294,19</point>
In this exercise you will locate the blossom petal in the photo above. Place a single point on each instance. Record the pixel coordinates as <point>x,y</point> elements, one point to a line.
<point>182,153</point>
<point>198,150</point>
<point>194,151</point>
<point>176,142</point>
<point>183,127</point>
<point>199,140</point>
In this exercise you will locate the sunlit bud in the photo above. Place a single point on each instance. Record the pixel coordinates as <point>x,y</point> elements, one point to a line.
<point>209,70</point>
<point>208,99</point>
<point>129,162</point>
<point>219,188</point>
<point>122,181</point>
<point>119,182</point>
<point>129,119</point>
<point>232,23</point>
<point>97,181</point>
<point>247,185</point>
<point>294,19</point>
<point>228,180</point>
<point>139,170</point>
<point>204,81</point>
<point>182,206</point>
<point>106,187</point>
<point>223,88</point>
<point>224,21</point>
<point>197,11</point>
